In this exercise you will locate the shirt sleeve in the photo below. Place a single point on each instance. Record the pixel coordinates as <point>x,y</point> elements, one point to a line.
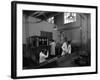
<point>43,55</point>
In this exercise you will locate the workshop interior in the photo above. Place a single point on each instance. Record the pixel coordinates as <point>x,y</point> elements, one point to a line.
<point>56,39</point>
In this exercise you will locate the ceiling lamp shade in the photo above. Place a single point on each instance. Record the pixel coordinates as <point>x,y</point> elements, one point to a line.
<point>71,16</point>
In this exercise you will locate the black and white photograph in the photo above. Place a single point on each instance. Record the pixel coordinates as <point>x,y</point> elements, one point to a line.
<point>56,39</point>
<point>53,39</point>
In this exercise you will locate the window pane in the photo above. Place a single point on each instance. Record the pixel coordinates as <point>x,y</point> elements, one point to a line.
<point>69,17</point>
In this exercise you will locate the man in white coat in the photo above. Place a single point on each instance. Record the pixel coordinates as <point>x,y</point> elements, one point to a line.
<point>43,55</point>
<point>64,47</point>
<point>53,45</point>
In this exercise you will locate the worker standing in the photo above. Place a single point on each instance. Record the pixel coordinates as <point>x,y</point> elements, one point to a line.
<point>64,47</point>
<point>53,45</point>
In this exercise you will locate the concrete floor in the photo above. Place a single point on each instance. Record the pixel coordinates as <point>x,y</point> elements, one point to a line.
<point>66,61</point>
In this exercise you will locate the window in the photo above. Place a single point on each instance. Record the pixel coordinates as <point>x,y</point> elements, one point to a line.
<point>69,17</point>
<point>51,20</point>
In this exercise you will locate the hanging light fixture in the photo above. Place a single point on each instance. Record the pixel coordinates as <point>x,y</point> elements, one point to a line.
<point>71,16</point>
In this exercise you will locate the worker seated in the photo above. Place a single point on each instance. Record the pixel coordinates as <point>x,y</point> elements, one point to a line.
<point>43,55</point>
